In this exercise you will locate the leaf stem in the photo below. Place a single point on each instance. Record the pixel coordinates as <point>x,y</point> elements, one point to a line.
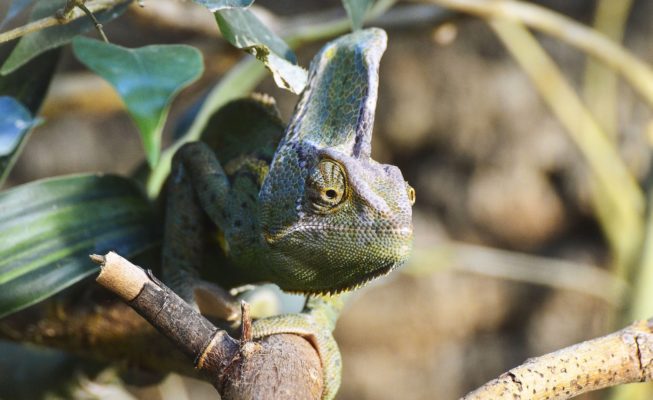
<point>98,25</point>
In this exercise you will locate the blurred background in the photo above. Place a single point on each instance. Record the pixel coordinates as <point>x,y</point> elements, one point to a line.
<point>518,250</point>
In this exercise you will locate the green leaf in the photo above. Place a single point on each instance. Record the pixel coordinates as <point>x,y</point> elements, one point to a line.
<point>29,83</point>
<point>35,43</point>
<point>15,124</point>
<point>243,30</point>
<point>48,228</point>
<point>216,5</point>
<point>356,10</point>
<point>146,78</point>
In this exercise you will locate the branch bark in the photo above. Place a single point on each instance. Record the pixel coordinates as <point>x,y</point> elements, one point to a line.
<point>622,357</point>
<point>279,366</point>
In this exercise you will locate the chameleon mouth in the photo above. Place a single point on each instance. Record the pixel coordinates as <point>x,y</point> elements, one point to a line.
<point>361,281</point>
<point>368,277</point>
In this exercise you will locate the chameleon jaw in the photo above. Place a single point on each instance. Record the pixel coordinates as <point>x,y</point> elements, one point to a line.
<point>362,281</point>
<point>309,270</point>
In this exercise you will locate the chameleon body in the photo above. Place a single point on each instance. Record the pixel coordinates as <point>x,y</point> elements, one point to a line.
<point>305,208</point>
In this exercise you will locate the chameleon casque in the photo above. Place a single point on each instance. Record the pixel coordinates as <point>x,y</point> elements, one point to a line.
<point>317,216</point>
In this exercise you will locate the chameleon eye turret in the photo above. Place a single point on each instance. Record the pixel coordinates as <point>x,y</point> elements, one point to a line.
<point>326,187</point>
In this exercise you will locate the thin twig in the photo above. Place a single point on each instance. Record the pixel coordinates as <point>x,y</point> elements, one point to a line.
<point>98,25</point>
<point>93,6</point>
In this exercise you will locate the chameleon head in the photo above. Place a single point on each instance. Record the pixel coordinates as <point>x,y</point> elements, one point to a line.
<point>333,217</point>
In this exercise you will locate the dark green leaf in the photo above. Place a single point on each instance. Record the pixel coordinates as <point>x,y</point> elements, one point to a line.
<point>356,10</point>
<point>146,78</point>
<point>243,30</point>
<point>15,124</point>
<point>29,83</point>
<point>48,228</point>
<point>216,5</point>
<point>36,43</point>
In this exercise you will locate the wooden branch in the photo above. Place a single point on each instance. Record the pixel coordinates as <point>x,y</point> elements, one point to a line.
<point>286,366</point>
<point>622,357</point>
<point>279,366</point>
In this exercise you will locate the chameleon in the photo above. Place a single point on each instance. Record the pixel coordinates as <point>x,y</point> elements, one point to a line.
<point>304,206</point>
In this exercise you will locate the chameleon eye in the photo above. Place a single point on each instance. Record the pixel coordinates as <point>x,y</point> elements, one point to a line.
<point>326,186</point>
<point>331,193</point>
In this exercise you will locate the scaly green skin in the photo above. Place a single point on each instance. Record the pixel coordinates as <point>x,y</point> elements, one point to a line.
<point>316,216</point>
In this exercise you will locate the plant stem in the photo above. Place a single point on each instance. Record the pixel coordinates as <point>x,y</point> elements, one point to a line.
<point>600,82</point>
<point>98,25</point>
<point>622,200</point>
<point>558,274</point>
<point>638,74</point>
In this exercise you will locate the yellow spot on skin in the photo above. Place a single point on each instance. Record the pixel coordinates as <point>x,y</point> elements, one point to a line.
<point>329,53</point>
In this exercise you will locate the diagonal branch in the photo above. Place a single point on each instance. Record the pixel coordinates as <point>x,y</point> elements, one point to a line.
<point>622,357</point>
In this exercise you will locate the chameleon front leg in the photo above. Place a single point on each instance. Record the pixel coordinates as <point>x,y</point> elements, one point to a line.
<point>315,323</point>
<point>197,179</point>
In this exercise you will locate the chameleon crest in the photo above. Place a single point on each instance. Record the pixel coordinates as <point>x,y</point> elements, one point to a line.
<point>333,217</point>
